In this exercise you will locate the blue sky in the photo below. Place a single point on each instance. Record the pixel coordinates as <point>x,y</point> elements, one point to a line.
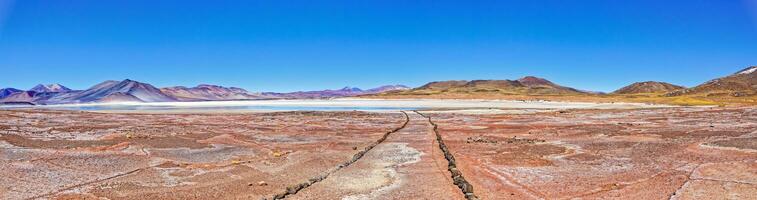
<point>307,45</point>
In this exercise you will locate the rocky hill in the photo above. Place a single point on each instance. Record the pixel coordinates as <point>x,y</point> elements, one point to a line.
<point>741,83</point>
<point>529,85</point>
<point>648,87</point>
<point>441,85</point>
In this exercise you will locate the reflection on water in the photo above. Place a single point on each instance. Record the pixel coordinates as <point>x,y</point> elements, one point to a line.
<point>338,105</point>
<point>242,108</point>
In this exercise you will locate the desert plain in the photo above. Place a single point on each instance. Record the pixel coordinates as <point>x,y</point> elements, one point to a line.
<point>559,152</point>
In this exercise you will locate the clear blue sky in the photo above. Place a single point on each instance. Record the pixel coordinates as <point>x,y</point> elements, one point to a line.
<point>306,45</point>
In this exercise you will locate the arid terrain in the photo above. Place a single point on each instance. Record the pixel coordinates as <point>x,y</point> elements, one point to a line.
<point>641,153</point>
<point>679,153</point>
<point>68,154</point>
<point>378,100</point>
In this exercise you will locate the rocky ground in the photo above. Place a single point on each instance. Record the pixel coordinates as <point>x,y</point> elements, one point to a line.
<point>679,153</point>
<point>660,153</point>
<point>73,155</point>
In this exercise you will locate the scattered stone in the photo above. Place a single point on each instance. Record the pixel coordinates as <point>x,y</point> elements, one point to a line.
<point>513,140</point>
<point>480,139</point>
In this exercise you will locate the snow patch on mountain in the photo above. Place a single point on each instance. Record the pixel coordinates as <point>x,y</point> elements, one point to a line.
<point>50,88</point>
<point>748,70</point>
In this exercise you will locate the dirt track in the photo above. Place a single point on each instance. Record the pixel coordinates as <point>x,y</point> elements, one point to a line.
<point>408,165</point>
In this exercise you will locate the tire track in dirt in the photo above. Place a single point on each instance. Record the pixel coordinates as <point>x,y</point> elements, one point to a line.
<point>291,190</point>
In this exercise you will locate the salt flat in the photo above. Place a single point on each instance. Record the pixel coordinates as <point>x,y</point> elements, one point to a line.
<point>345,104</point>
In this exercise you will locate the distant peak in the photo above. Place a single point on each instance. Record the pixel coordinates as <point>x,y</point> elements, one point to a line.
<point>396,86</point>
<point>9,89</point>
<point>209,86</point>
<point>348,88</point>
<point>648,87</point>
<point>533,80</point>
<point>50,88</point>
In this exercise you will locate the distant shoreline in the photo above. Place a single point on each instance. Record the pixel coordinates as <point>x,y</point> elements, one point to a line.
<point>341,104</point>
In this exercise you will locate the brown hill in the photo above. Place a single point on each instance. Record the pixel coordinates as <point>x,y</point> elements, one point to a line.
<point>742,83</point>
<point>538,85</point>
<point>441,85</point>
<point>648,87</point>
<point>525,86</point>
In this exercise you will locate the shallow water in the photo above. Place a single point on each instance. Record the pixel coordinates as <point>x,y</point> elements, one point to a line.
<point>230,108</point>
<point>334,105</point>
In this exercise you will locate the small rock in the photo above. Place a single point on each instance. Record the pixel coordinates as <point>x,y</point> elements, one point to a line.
<point>262,183</point>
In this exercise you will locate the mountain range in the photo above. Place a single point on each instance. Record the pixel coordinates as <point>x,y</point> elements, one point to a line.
<point>740,84</point>
<point>206,92</point>
<point>737,88</point>
<point>344,92</point>
<point>134,91</point>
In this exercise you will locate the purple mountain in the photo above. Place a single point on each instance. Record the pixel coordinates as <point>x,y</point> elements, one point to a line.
<point>8,91</point>
<point>50,88</point>
<point>115,91</point>
<point>206,92</point>
<point>344,92</point>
